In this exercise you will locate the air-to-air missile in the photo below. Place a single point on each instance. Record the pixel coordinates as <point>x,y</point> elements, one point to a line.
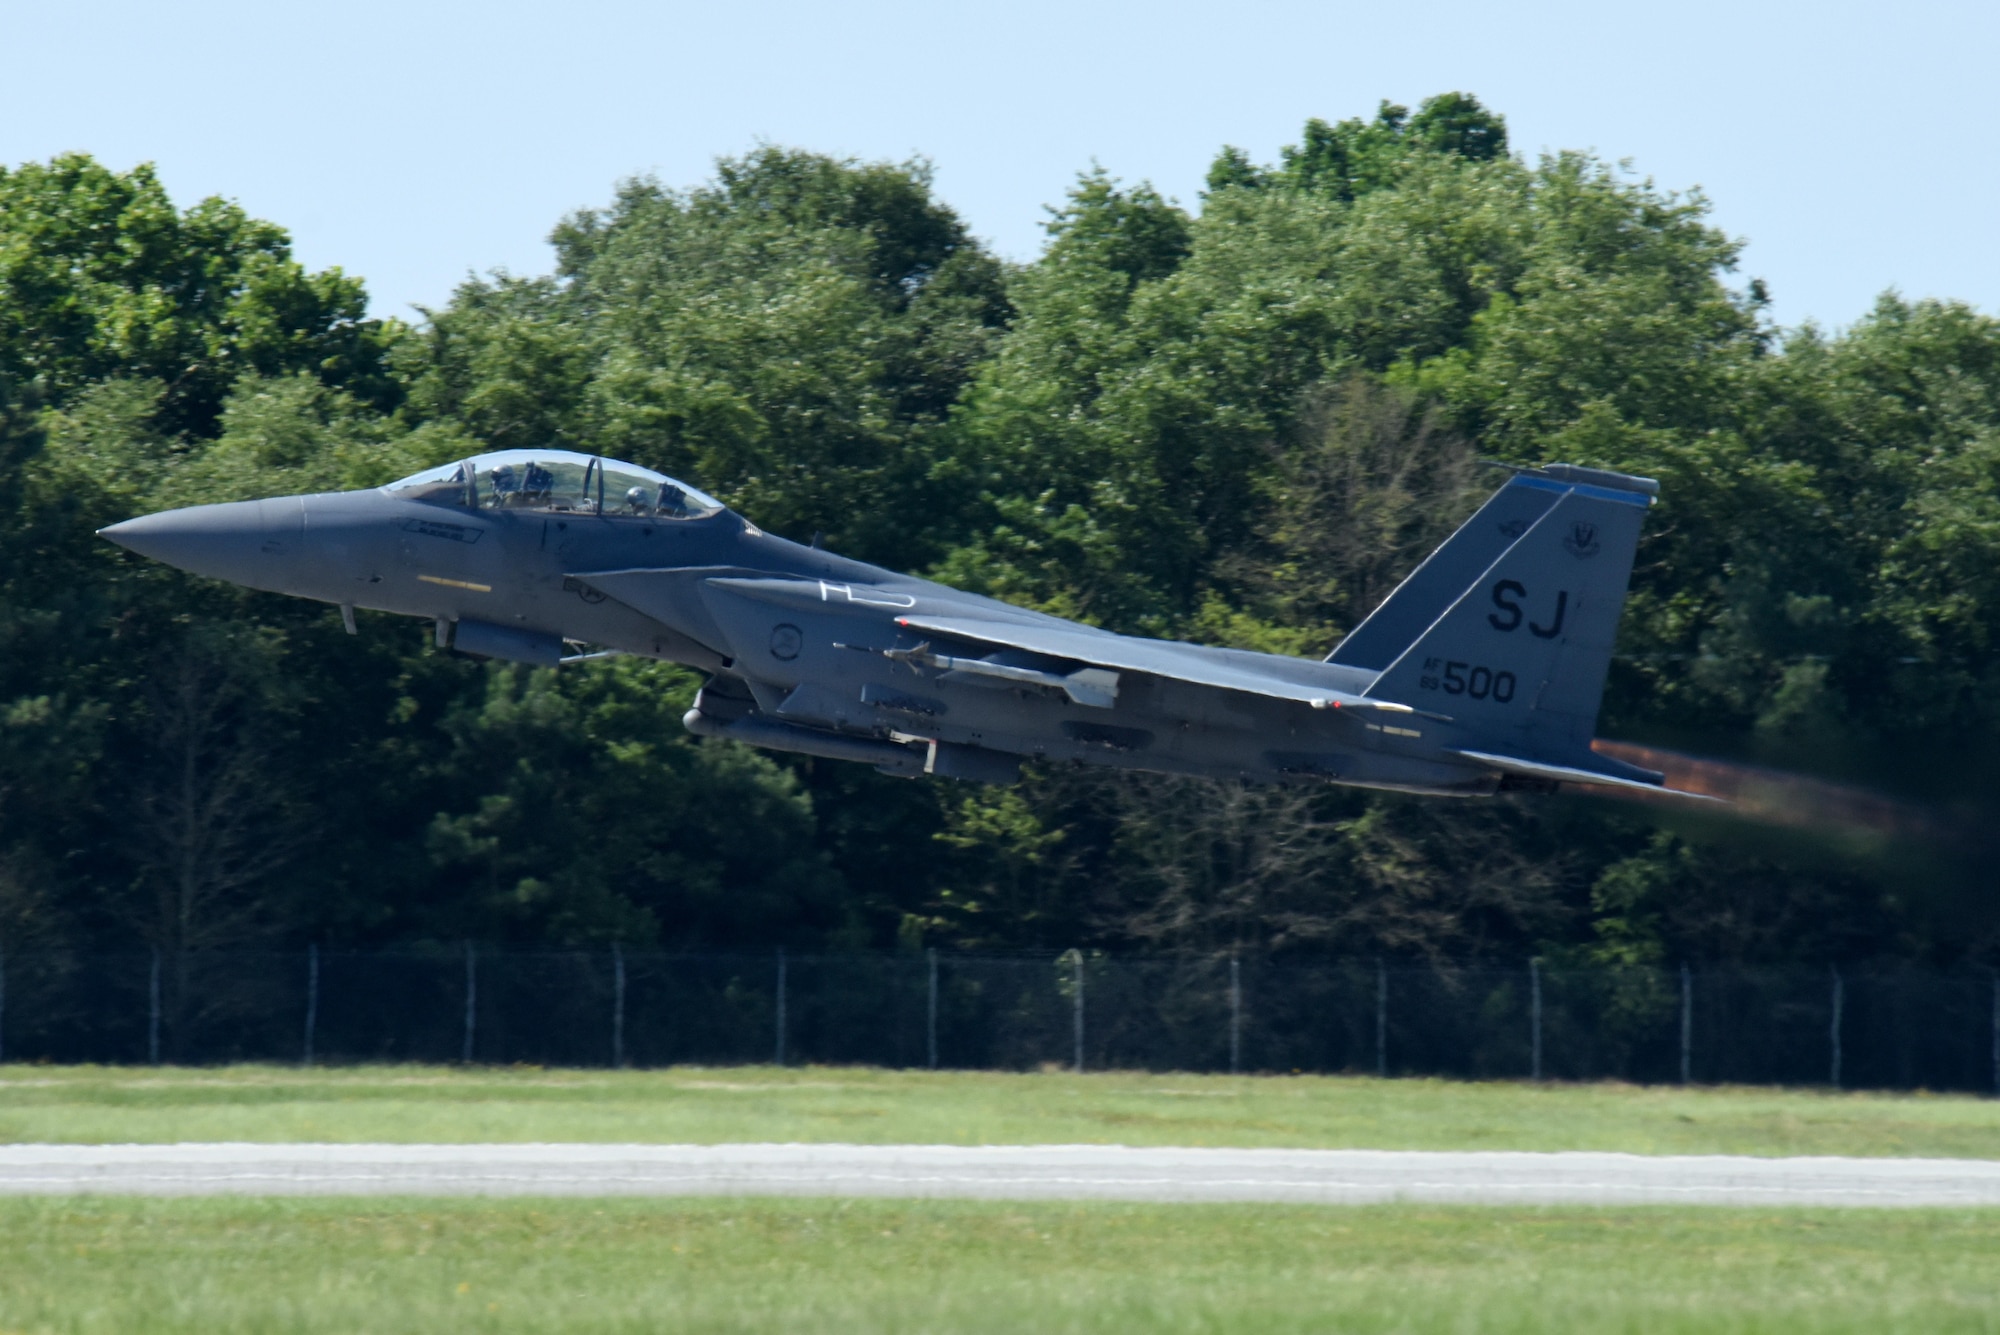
<point>1481,672</point>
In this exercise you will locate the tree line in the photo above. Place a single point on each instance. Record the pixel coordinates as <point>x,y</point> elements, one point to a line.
<point>1238,422</point>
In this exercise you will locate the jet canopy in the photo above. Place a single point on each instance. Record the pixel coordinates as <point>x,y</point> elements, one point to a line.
<point>556,480</point>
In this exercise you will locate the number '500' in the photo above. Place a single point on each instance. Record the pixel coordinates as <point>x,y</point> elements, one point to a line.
<point>1477,682</point>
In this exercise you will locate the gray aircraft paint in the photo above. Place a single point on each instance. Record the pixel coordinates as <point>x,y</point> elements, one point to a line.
<point>810,652</point>
<point>1446,573</point>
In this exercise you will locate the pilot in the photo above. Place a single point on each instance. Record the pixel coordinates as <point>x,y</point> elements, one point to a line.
<point>506,484</point>
<point>636,499</point>
<point>673,501</point>
<point>537,485</point>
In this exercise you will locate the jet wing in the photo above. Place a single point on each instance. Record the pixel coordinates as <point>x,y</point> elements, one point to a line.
<point>1124,653</point>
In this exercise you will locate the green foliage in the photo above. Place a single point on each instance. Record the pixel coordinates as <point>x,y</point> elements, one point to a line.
<point>1241,424</point>
<point>1128,427</point>
<point>590,817</point>
<point>792,335</point>
<point>1356,157</point>
<point>100,276</point>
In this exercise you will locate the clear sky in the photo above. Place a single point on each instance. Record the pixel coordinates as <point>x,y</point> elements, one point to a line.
<point>412,142</point>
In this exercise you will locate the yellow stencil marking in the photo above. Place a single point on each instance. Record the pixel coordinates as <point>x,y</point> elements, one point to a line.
<point>456,583</point>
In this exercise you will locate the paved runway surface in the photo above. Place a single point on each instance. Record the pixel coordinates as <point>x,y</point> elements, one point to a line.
<point>1041,1172</point>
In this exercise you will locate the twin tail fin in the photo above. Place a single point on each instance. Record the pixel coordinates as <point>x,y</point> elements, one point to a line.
<point>1517,660</point>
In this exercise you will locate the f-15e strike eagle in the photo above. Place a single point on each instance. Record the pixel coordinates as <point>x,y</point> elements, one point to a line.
<point>1482,672</point>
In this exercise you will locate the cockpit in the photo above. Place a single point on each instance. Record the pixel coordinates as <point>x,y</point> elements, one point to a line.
<point>556,480</point>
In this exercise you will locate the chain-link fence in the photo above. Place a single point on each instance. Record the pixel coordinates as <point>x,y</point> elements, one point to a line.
<point>1886,1028</point>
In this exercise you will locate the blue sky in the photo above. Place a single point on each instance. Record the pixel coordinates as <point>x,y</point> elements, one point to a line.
<point>412,143</point>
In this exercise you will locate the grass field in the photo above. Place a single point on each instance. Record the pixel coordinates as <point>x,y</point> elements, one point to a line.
<point>684,1105</point>
<point>109,1265</point>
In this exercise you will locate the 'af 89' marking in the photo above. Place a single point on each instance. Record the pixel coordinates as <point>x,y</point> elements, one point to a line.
<point>1473,679</point>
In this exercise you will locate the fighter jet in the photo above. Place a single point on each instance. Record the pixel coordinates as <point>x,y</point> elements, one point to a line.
<point>1481,673</point>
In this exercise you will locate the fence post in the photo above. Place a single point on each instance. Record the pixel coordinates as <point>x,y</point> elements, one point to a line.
<point>312,1000</point>
<point>1687,1026</point>
<point>930,1012</point>
<point>471,1001</point>
<point>778,1053</point>
<point>153,1012</point>
<point>1381,1020</point>
<point>1839,1000</point>
<point>1535,1008</point>
<point>1235,1016</point>
<point>617,1006</point>
<point>1076,962</point>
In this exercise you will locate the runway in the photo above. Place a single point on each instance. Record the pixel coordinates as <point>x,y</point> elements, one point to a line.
<point>1039,1172</point>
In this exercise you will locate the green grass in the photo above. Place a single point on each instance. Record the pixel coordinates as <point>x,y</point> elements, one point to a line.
<point>121,1265</point>
<point>687,1105</point>
<point>107,1264</point>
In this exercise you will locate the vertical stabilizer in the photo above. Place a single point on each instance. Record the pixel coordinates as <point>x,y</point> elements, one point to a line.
<point>1518,660</point>
<point>1433,586</point>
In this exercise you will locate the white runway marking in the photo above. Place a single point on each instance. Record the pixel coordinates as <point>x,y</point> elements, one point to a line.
<point>1006,1172</point>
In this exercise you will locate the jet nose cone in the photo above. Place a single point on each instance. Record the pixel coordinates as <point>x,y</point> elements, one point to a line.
<point>133,534</point>
<point>245,542</point>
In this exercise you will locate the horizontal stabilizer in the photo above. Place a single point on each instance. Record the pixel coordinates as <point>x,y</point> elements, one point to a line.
<point>1536,769</point>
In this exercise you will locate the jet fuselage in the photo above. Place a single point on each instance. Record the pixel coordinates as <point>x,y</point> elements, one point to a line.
<point>808,651</point>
